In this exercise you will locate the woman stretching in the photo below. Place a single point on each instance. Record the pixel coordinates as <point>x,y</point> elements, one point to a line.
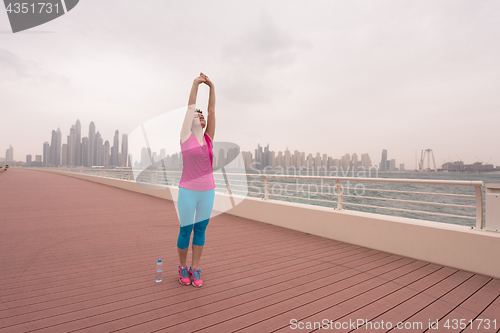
<point>196,187</point>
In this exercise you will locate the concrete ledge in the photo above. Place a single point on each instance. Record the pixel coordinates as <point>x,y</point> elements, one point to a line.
<point>445,244</point>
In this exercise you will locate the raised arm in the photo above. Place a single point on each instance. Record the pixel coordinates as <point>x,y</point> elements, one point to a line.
<point>188,119</point>
<point>210,131</point>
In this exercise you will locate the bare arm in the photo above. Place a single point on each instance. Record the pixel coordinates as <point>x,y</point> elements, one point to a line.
<point>210,131</point>
<point>188,119</point>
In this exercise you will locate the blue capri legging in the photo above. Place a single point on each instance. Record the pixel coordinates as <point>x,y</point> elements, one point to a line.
<point>189,202</point>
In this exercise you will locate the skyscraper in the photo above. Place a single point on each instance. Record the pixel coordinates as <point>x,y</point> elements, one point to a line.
<point>106,153</point>
<point>366,162</point>
<point>114,150</point>
<point>46,153</point>
<point>392,165</point>
<point>99,153</point>
<point>9,154</point>
<point>383,162</point>
<point>55,148</point>
<point>288,158</point>
<point>259,157</point>
<point>317,161</point>
<point>124,154</point>
<point>78,147</point>
<point>72,146</point>
<point>91,143</point>
<point>85,152</point>
<point>267,157</point>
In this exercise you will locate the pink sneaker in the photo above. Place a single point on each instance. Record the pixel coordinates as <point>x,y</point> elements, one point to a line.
<point>196,276</point>
<point>183,276</point>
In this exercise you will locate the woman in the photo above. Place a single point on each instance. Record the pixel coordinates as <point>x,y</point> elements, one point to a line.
<point>196,187</point>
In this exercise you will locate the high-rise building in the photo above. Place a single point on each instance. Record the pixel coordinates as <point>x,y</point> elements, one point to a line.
<point>259,158</point>
<point>85,152</point>
<point>55,147</point>
<point>9,154</point>
<point>402,167</point>
<point>99,150</point>
<point>46,153</point>
<point>345,162</point>
<point>124,154</point>
<point>91,143</point>
<point>392,165</point>
<point>365,161</point>
<point>115,150</point>
<point>78,144</point>
<point>64,154</point>
<point>28,160</point>
<point>107,152</point>
<point>287,158</point>
<point>72,146</point>
<point>383,162</point>
<point>310,161</point>
<point>280,161</point>
<point>317,161</point>
<point>221,158</point>
<point>266,157</point>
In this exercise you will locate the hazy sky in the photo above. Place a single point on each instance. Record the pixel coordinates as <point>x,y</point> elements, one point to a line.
<point>333,77</point>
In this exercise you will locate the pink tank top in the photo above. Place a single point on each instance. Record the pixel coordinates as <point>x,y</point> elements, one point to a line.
<point>197,170</point>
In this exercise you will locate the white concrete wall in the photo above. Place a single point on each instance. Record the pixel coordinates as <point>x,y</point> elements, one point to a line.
<point>451,245</point>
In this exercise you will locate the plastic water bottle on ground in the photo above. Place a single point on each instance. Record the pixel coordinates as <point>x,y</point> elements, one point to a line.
<point>159,270</point>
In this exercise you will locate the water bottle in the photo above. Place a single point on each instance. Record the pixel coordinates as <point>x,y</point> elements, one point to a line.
<point>159,269</point>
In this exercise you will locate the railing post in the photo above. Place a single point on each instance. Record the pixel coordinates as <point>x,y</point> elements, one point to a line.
<point>479,207</point>
<point>153,177</point>
<point>340,197</point>
<point>172,177</point>
<point>266,188</point>
<point>228,186</point>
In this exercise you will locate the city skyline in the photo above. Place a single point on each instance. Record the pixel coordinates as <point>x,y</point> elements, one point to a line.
<point>93,151</point>
<point>334,76</point>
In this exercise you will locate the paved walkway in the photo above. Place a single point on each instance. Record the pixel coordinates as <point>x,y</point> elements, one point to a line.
<point>80,256</point>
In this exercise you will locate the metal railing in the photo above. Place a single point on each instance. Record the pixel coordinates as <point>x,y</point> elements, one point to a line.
<point>263,185</point>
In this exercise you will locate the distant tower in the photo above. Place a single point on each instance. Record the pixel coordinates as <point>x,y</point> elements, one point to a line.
<point>99,154</point>
<point>46,153</point>
<point>72,146</point>
<point>55,148</point>
<point>91,143</point>
<point>78,148</point>
<point>9,154</point>
<point>383,162</point>
<point>124,156</point>
<point>115,149</point>
<point>428,153</point>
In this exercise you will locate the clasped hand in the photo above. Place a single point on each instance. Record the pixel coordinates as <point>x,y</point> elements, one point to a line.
<point>203,79</point>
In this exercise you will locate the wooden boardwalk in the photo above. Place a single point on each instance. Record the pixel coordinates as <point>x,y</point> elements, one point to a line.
<point>80,256</point>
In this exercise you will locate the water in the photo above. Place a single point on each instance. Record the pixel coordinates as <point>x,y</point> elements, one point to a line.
<point>321,193</point>
<point>159,269</point>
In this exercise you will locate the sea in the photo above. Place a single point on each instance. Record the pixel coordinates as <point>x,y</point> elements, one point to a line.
<point>322,193</point>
